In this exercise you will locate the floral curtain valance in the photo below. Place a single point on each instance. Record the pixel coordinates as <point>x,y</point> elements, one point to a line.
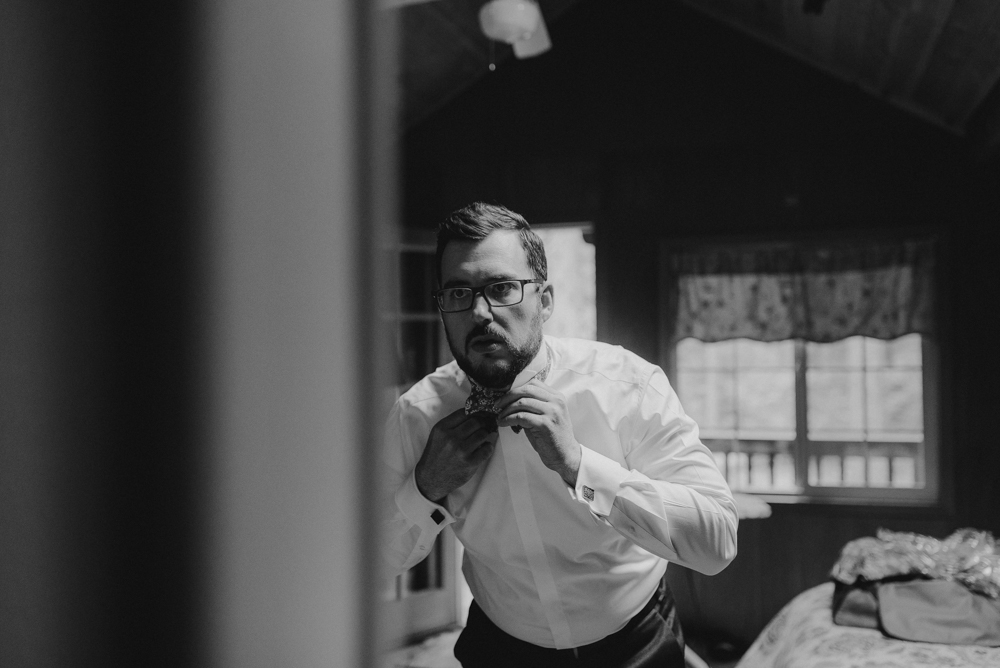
<point>818,293</point>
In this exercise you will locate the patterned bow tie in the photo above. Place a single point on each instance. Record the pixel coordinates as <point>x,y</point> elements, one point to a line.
<point>483,399</point>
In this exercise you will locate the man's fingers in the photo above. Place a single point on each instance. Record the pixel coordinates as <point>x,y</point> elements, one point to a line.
<point>533,389</point>
<point>483,452</point>
<point>461,426</point>
<point>472,440</point>
<point>522,419</point>
<point>469,428</point>
<point>485,420</point>
<point>523,405</point>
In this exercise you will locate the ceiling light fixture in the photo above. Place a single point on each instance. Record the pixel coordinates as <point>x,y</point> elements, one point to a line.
<point>518,23</point>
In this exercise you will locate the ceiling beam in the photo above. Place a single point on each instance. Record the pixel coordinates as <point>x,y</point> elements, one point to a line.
<point>962,69</point>
<point>941,12</point>
<point>838,72</point>
<point>983,128</point>
<point>992,77</point>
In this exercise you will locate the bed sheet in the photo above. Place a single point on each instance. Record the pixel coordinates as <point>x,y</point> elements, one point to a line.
<point>803,635</point>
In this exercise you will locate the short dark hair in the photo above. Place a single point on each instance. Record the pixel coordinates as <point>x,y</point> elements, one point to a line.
<point>476,221</point>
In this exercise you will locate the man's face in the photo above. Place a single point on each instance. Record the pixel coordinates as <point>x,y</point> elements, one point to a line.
<point>493,344</point>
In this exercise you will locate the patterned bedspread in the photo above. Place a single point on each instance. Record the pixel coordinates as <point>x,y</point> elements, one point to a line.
<point>803,635</point>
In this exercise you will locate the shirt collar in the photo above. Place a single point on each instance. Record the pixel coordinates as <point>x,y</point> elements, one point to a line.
<point>540,361</point>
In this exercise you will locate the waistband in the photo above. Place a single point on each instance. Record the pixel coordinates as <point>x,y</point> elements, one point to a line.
<point>500,640</point>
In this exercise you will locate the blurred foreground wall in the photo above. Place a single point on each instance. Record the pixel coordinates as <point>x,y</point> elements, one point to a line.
<point>184,230</point>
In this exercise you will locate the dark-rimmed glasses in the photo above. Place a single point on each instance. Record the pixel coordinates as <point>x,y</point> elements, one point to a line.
<point>501,293</point>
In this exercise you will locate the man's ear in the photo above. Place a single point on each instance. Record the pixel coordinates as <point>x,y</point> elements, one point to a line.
<point>548,301</point>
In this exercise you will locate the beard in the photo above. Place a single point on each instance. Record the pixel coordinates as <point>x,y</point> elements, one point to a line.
<point>499,374</point>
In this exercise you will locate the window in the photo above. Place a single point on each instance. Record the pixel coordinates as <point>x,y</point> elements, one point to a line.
<point>817,419</point>
<point>425,599</point>
<point>809,381</point>
<point>573,274</point>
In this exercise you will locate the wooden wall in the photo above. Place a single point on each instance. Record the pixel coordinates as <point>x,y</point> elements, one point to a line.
<point>658,124</point>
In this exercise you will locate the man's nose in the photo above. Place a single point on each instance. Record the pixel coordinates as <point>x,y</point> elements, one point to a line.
<point>481,310</point>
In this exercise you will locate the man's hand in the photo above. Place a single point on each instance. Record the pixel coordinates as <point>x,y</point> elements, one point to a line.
<point>542,412</point>
<point>457,445</point>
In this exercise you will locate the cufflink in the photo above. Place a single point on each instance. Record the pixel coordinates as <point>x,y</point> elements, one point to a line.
<point>438,516</point>
<point>588,493</point>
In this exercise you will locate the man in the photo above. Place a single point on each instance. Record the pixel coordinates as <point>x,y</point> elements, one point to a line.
<point>567,469</point>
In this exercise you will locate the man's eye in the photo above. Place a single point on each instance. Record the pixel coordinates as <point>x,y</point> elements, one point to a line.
<point>500,289</point>
<point>458,293</point>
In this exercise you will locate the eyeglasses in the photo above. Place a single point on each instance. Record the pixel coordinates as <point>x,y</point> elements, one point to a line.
<point>501,293</point>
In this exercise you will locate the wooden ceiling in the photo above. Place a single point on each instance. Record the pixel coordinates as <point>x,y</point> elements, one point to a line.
<point>937,59</point>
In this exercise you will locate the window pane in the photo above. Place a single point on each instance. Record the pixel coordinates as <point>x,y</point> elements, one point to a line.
<point>708,397</point>
<point>572,270</point>
<point>767,404</point>
<point>757,465</point>
<point>854,471</point>
<point>691,389</point>
<point>878,471</point>
<point>690,354</point>
<point>904,472</point>
<point>784,473</point>
<point>845,354</point>
<point>902,352</point>
<point>738,470</point>
<point>829,471</point>
<point>864,411</point>
<point>895,403</point>
<point>770,354</point>
<point>760,471</point>
<point>695,354</point>
<point>834,404</point>
<point>720,461</point>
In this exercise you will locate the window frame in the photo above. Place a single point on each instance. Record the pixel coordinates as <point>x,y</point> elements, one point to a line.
<point>930,449</point>
<point>408,615</point>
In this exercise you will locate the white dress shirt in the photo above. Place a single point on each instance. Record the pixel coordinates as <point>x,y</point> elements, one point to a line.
<point>549,564</point>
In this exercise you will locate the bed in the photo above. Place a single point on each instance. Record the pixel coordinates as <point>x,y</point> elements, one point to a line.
<point>803,635</point>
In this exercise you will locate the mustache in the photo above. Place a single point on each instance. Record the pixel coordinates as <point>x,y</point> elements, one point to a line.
<point>483,330</point>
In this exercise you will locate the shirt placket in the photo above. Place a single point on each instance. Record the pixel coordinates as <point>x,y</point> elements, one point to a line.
<point>515,448</point>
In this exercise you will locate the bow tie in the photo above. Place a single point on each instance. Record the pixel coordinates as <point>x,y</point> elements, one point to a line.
<point>483,400</point>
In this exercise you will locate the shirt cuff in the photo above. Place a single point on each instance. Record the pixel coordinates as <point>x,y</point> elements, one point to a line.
<point>598,481</point>
<point>427,515</point>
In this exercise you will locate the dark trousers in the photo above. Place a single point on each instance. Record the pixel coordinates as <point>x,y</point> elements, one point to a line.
<point>651,639</point>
